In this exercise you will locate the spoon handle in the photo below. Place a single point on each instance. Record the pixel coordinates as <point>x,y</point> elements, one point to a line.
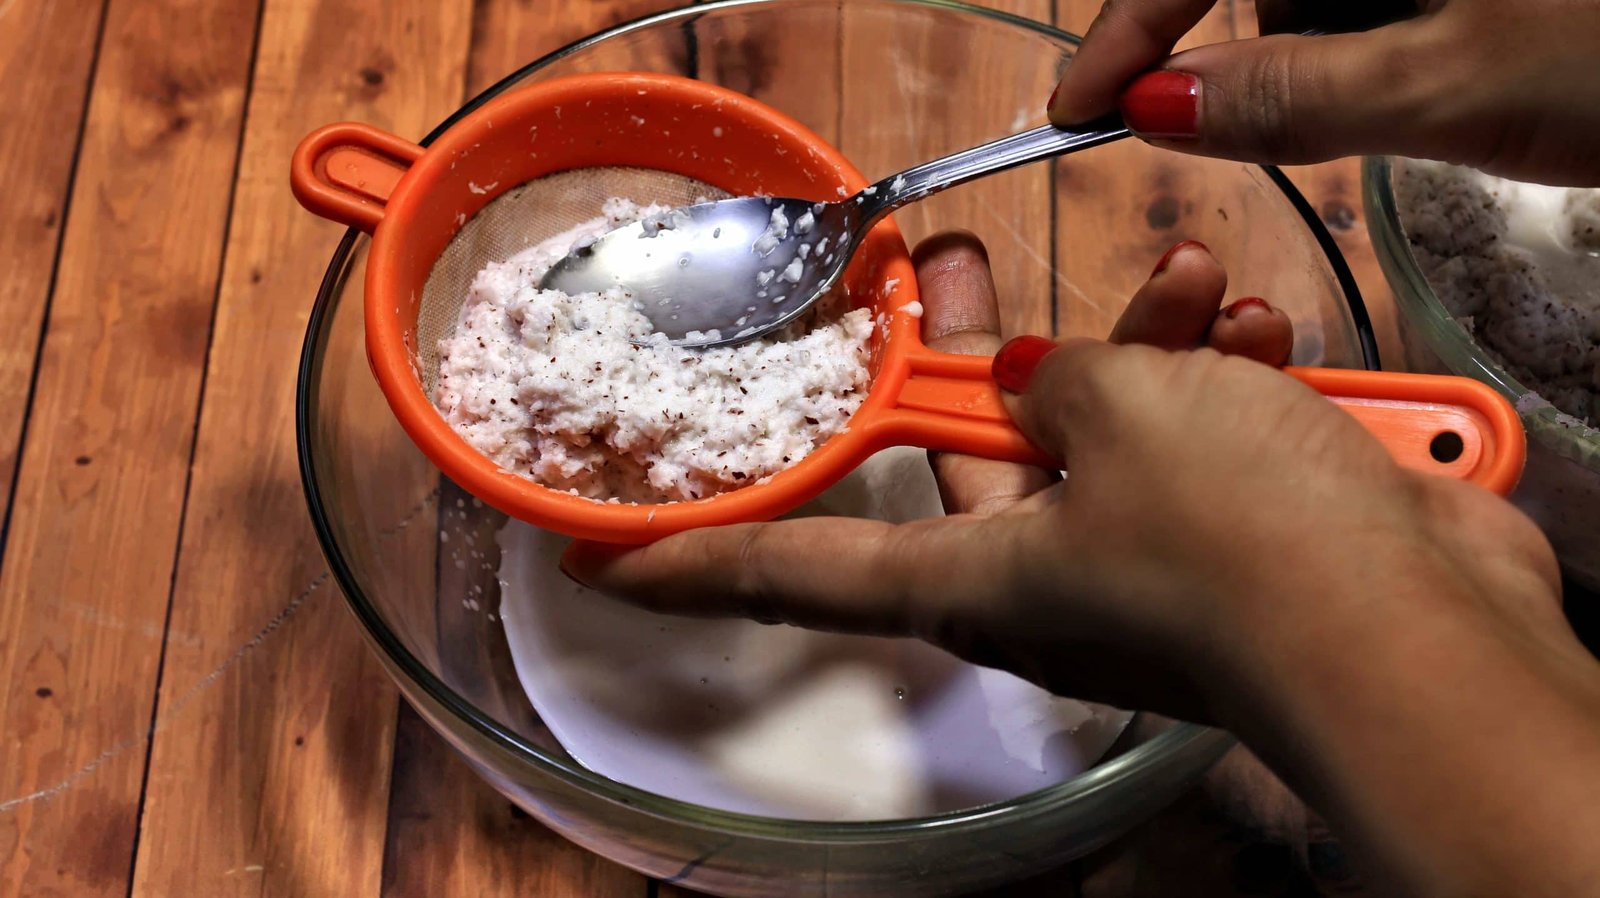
<point>1043,142</point>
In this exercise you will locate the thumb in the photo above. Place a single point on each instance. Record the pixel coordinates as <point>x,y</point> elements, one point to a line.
<point>1293,99</point>
<point>1055,389</point>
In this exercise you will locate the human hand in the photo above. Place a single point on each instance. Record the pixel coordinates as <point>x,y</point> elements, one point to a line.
<point>1204,488</point>
<point>1229,547</point>
<point>1511,88</point>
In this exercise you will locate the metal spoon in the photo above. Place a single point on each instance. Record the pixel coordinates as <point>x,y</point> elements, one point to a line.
<point>721,273</point>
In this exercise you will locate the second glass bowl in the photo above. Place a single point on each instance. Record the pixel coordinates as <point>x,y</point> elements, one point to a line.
<point>1560,487</point>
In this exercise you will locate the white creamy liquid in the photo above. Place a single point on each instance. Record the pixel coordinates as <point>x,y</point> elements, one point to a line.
<point>779,721</point>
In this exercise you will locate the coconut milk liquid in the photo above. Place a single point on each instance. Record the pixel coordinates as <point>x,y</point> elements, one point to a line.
<point>779,721</point>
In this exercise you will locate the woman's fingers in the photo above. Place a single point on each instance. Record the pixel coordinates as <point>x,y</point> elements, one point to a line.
<point>1175,308</point>
<point>1253,328</point>
<point>1127,37</point>
<point>961,315</point>
<point>846,574</point>
<point>1277,99</point>
<point>1289,99</point>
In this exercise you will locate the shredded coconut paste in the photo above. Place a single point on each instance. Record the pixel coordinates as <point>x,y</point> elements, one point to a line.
<point>550,386</point>
<point>1519,266</point>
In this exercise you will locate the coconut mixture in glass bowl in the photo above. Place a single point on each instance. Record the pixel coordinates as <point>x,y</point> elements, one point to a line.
<point>1500,281</point>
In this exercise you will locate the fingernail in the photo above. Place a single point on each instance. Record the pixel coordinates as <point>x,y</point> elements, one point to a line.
<point>1237,307</point>
<point>1015,362</point>
<point>1163,105</point>
<point>1167,259</point>
<point>1051,103</point>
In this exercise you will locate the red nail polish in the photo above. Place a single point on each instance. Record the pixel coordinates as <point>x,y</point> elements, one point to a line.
<point>1051,103</point>
<point>1237,306</point>
<point>1015,362</point>
<point>1178,248</point>
<point>1163,105</point>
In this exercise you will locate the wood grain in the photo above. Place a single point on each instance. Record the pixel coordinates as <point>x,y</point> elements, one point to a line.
<point>1334,190</point>
<point>733,54</point>
<point>448,832</point>
<point>281,769</point>
<point>1010,212</point>
<point>100,487</point>
<point>1120,207</point>
<point>509,34</point>
<point>46,53</point>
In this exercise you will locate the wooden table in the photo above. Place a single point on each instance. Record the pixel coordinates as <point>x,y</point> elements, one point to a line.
<point>187,709</point>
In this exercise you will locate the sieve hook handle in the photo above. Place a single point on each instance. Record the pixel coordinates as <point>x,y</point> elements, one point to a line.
<point>951,403</point>
<point>1448,426</point>
<point>346,171</point>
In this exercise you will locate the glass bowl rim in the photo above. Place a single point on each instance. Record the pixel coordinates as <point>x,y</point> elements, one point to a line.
<point>1445,336</point>
<point>1182,738</point>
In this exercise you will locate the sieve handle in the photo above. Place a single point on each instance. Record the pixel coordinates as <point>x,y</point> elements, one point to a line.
<point>951,403</point>
<point>1445,425</point>
<point>346,171</point>
<point>1449,426</point>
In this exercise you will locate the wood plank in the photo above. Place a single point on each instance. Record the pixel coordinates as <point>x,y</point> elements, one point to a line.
<point>448,832</point>
<point>1118,210</point>
<point>46,52</point>
<point>734,51</point>
<point>1334,190</point>
<point>84,591</point>
<point>451,834</point>
<point>274,780</point>
<point>1121,207</point>
<point>509,34</point>
<point>1191,848</point>
<point>1239,833</point>
<point>1010,212</point>
<point>1060,883</point>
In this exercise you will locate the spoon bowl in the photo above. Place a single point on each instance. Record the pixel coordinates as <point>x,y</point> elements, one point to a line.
<point>721,273</point>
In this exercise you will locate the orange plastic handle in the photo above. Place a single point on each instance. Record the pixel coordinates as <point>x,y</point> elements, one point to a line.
<point>346,171</point>
<point>1450,426</point>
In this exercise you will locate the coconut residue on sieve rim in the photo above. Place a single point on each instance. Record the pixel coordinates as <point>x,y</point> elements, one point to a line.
<point>551,387</point>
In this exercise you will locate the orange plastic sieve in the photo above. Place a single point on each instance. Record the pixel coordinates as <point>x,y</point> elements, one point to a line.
<point>415,202</point>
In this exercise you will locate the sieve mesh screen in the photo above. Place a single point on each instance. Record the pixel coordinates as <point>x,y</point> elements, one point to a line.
<point>525,216</point>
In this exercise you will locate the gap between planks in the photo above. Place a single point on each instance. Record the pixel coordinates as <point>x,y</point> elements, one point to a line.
<point>99,488</point>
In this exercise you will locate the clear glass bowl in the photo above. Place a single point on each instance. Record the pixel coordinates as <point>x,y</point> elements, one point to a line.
<point>892,82</point>
<point>1560,487</point>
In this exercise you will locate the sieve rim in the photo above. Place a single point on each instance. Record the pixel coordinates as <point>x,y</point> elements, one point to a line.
<point>389,325</point>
